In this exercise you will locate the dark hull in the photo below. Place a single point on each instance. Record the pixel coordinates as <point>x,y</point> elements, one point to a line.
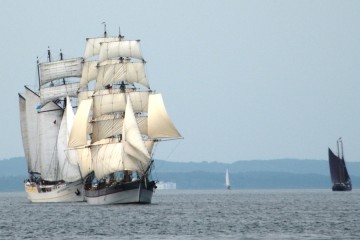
<point>118,193</point>
<point>342,187</point>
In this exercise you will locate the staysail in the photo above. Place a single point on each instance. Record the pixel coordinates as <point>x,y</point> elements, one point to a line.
<point>159,122</point>
<point>68,160</point>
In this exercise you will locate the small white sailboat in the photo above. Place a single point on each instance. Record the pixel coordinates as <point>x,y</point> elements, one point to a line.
<point>227,180</point>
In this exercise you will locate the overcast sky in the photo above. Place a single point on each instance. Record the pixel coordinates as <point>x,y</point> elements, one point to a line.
<point>242,80</point>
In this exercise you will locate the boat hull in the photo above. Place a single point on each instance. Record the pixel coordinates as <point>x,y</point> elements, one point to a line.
<point>133,192</point>
<point>342,187</point>
<point>66,192</point>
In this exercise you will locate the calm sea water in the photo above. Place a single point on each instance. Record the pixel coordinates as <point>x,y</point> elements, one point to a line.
<point>221,214</point>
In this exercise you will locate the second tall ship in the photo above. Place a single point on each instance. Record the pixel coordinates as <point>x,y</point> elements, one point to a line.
<point>46,117</point>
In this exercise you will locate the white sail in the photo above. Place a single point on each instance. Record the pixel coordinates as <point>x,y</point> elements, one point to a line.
<point>107,158</point>
<point>130,49</point>
<point>111,125</point>
<point>116,71</point>
<point>159,123</point>
<point>135,149</point>
<point>85,162</point>
<point>89,73</point>
<point>52,93</point>
<point>227,179</point>
<point>84,95</point>
<point>49,119</point>
<point>68,160</point>
<point>24,130</point>
<point>93,45</point>
<point>32,126</point>
<point>60,69</point>
<point>78,135</point>
<point>116,102</point>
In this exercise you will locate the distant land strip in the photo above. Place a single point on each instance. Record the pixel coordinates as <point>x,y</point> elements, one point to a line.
<point>254,174</point>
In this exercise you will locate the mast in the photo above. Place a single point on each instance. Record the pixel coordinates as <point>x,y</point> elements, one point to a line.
<point>105,33</point>
<point>38,71</point>
<point>49,54</point>
<point>62,58</point>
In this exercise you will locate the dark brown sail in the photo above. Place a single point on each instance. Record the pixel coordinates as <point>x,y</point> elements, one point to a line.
<point>339,174</point>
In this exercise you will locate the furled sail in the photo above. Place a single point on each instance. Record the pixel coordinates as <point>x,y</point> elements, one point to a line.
<point>68,160</point>
<point>49,119</point>
<point>93,45</point>
<point>116,102</point>
<point>130,49</point>
<point>116,71</point>
<point>60,69</point>
<point>78,135</point>
<point>52,93</point>
<point>159,123</point>
<point>32,126</point>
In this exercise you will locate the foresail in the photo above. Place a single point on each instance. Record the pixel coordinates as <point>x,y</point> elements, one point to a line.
<point>78,135</point>
<point>159,123</point>
<point>135,148</point>
<point>116,71</point>
<point>129,49</point>
<point>68,160</point>
<point>60,69</point>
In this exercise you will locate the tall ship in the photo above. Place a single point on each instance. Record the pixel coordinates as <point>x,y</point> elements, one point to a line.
<point>119,121</point>
<point>46,117</point>
<point>339,174</point>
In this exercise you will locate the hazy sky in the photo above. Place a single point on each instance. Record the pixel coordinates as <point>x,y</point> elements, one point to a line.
<point>241,80</point>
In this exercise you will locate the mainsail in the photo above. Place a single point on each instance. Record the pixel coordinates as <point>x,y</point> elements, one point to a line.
<point>338,171</point>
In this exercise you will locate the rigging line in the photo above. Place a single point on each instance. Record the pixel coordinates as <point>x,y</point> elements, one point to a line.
<point>168,157</point>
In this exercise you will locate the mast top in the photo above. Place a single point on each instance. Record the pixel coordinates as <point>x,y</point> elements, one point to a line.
<point>105,33</point>
<point>49,54</point>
